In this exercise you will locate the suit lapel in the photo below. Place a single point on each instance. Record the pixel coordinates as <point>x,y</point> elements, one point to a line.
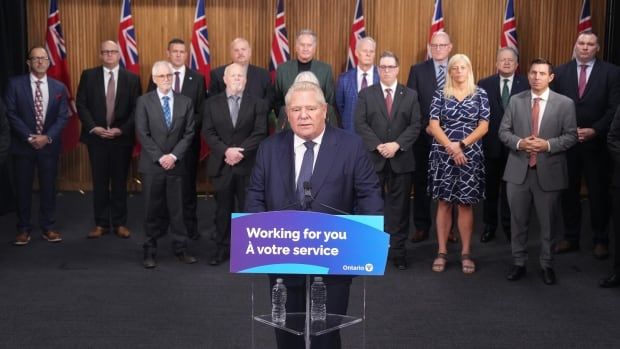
<point>30,98</point>
<point>188,82</point>
<point>324,162</point>
<point>380,100</point>
<point>122,81</point>
<point>286,165</point>
<point>243,108</point>
<point>573,79</point>
<point>594,75</point>
<point>547,115</point>
<point>159,112</point>
<point>399,94</point>
<point>177,114</point>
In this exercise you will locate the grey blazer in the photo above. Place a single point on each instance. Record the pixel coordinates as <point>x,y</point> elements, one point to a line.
<point>558,126</point>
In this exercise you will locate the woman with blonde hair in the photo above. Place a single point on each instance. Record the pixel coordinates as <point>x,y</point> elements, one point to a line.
<point>459,117</point>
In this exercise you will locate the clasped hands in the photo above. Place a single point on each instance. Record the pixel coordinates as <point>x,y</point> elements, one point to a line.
<point>168,162</point>
<point>38,141</point>
<point>388,150</point>
<point>533,144</point>
<point>233,155</point>
<point>456,153</point>
<point>107,133</point>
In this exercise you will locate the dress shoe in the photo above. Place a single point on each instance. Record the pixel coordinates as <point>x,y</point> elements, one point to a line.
<point>516,272</point>
<point>22,239</point>
<point>548,276</point>
<point>600,251</point>
<point>220,256</point>
<point>97,232</point>
<point>488,234</point>
<point>122,232</point>
<point>52,236</point>
<point>400,263</point>
<point>453,237</point>
<point>149,262</point>
<point>419,235</point>
<point>612,280</point>
<point>566,246</point>
<point>186,258</point>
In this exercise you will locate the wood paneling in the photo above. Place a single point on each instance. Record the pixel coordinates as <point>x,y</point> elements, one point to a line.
<point>545,28</point>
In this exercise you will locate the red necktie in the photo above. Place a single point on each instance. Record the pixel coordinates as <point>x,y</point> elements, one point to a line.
<point>535,112</point>
<point>388,102</point>
<point>38,107</point>
<point>364,81</point>
<point>583,74</point>
<point>177,82</point>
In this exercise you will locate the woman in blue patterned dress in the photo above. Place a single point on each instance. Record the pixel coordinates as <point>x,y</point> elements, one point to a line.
<point>459,117</point>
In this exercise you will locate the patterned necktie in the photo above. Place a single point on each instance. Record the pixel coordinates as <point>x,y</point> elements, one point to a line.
<point>364,81</point>
<point>109,100</point>
<point>177,82</point>
<point>583,76</point>
<point>535,112</point>
<point>305,173</point>
<point>38,107</point>
<point>233,106</point>
<point>505,94</point>
<point>167,114</point>
<point>441,77</point>
<point>388,102</point>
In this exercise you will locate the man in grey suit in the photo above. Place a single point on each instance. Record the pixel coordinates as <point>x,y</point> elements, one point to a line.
<point>165,127</point>
<point>538,127</point>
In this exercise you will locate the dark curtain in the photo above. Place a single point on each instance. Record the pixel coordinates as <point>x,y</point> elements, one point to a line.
<point>612,37</point>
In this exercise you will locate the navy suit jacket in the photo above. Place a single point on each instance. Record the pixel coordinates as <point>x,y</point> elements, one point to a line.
<point>343,176</point>
<point>21,115</point>
<point>596,108</point>
<point>423,80</point>
<point>613,143</point>
<point>492,146</point>
<point>346,96</point>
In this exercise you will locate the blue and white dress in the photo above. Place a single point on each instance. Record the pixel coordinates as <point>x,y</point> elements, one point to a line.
<point>447,181</point>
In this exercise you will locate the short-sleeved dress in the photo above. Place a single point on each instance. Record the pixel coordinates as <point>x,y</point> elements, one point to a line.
<point>447,181</point>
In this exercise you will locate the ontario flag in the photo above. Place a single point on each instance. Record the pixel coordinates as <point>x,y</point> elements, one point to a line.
<point>200,57</point>
<point>55,45</point>
<point>279,43</point>
<point>585,19</point>
<point>509,28</point>
<point>358,31</point>
<point>127,40</point>
<point>436,25</point>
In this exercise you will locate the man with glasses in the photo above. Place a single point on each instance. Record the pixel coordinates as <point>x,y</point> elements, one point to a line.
<point>37,110</point>
<point>425,78</point>
<point>387,117</point>
<point>165,127</point>
<point>106,100</point>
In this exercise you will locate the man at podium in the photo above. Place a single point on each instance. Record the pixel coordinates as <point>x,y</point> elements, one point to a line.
<point>318,168</point>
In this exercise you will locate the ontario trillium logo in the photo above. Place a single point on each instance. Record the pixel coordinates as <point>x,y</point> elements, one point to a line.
<point>369,267</point>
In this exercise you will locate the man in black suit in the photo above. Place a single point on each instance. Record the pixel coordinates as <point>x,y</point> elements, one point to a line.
<point>165,127</point>
<point>594,86</point>
<point>191,84</point>
<point>499,88</point>
<point>234,125</point>
<point>425,78</point>
<point>5,135</point>
<point>106,100</point>
<point>387,117</point>
<point>37,110</point>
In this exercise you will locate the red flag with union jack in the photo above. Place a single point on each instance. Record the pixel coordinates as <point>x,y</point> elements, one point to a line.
<point>127,40</point>
<point>55,45</point>
<point>200,57</point>
<point>436,25</point>
<point>585,18</point>
<point>509,28</point>
<point>279,43</point>
<point>358,31</point>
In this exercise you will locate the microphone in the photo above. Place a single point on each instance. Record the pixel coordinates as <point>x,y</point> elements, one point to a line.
<point>309,199</point>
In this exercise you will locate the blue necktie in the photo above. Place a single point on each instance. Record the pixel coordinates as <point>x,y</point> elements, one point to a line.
<point>305,173</point>
<point>441,77</point>
<point>167,114</point>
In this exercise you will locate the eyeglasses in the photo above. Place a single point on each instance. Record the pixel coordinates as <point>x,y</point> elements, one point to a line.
<point>40,59</point>
<point>307,108</point>
<point>109,52</point>
<point>164,76</point>
<point>439,46</point>
<point>387,67</point>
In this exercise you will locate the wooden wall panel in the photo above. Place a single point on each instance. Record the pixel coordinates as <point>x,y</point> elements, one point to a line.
<point>545,28</point>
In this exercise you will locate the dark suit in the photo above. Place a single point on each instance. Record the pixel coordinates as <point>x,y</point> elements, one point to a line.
<point>422,79</point>
<point>161,187</point>
<point>540,186</point>
<point>346,96</point>
<point>5,135</point>
<point>613,142</point>
<point>230,182</point>
<point>258,83</point>
<point>495,153</point>
<point>194,88</point>
<point>375,127</point>
<point>590,159</point>
<point>343,178</point>
<point>109,158</point>
<point>7,200</point>
<point>21,115</point>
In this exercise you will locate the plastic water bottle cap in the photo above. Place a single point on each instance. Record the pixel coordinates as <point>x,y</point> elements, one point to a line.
<point>279,280</point>
<point>318,278</point>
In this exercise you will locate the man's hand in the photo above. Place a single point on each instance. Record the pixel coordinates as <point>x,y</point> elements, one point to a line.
<point>233,155</point>
<point>115,132</point>
<point>102,132</point>
<point>38,141</point>
<point>585,134</point>
<point>167,162</point>
<point>538,145</point>
<point>388,150</point>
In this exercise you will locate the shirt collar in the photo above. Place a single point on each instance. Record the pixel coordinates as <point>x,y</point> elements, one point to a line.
<point>298,141</point>
<point>107,71</point>
<point>393,87</point>
<point>161,95</point>
<point>180,70</point>
<point>589,63</point>
<point>510,78</point>
<point>34,78</point>
<point>543,96</point>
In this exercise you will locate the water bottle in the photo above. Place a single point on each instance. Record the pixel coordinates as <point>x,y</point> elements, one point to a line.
<point>278,302</point>
<point>318,296</point>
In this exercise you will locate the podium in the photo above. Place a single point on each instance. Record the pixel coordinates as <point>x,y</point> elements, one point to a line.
<point>308,243</point>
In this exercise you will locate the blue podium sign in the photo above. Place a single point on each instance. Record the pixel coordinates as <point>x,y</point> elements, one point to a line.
<point>305,242</point>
